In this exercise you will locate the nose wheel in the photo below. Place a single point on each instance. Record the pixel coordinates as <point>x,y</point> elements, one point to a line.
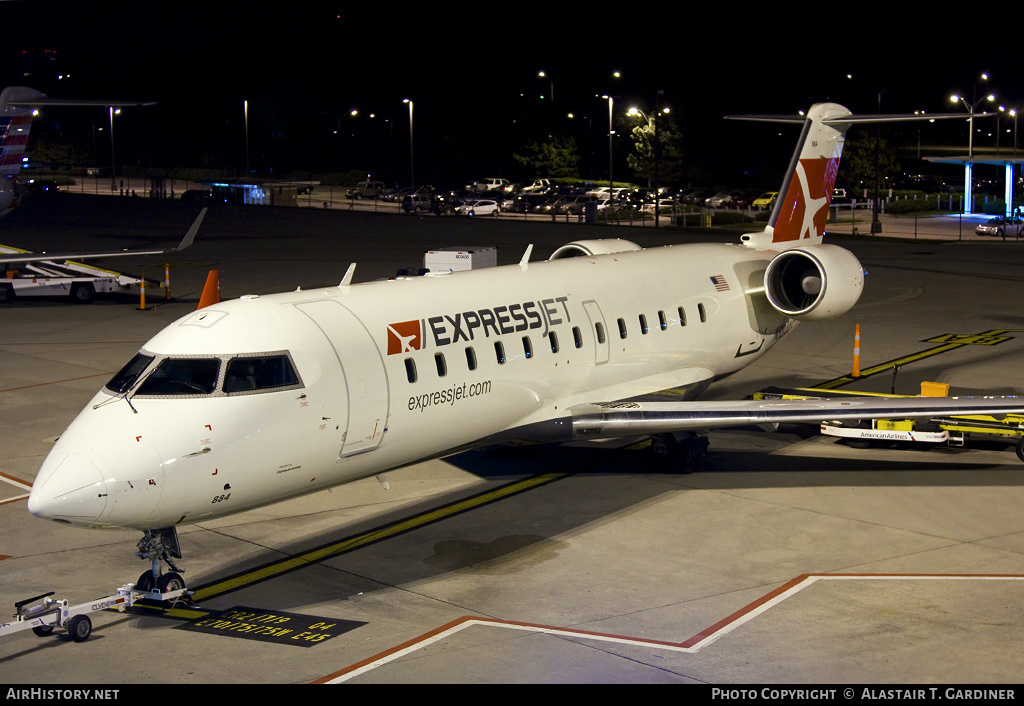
<point>160,546</point>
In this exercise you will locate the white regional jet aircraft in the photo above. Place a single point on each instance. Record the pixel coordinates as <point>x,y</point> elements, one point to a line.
<point>248,402</point>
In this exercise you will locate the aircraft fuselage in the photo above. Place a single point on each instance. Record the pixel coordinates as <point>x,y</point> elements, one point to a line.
<point>255,400</point>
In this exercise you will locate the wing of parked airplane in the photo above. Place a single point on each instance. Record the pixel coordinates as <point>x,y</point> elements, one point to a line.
<point>22,256</point>
<point>635,418</point>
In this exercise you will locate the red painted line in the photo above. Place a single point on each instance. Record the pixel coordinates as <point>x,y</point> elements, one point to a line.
<point>54,382</point>
<point>703,635</point>
<point>16,481</point>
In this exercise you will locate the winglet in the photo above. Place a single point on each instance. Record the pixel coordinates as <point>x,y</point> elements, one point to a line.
<point>191,234</point>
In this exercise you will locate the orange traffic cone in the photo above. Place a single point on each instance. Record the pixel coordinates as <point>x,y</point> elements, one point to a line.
<point>211,292</point>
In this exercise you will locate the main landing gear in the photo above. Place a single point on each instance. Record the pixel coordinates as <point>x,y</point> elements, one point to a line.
<point>684,451</point>
<point>160,545</point>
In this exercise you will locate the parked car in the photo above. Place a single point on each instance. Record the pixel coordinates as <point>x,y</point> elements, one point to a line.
<point>538,185</point>
<point>483,207</point>
<point>41,186</point>
<point>197,195</point>
<point>663,205</point>
<point>1000,226</point>
<point>765,200</point>
<point>723,199</point>
<point>487,184</point>
<point>367,190</point>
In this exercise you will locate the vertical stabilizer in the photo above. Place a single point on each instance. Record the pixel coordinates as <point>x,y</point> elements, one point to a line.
<point>802,206</point>
<point>15,122</point>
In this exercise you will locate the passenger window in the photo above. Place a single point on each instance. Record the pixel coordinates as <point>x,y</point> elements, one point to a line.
<point>662,320</point>
<point>599,330</point>
<point>470,358</point>
<point>499,352</point>
<point>259,373</point>
<point>442,367</point>
<point>410,369</point>
<point>527,347</point>
<point>622,328</point>
<point>700,312</point>
<point>682,316</point>
<point>553,341</point>
<point>577,337</point>
<point>182,376</point>
<point>643,324</point>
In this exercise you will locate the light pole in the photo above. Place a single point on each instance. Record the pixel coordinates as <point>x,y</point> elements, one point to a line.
<point>113,180</point>
<point>652,123</point>
<point>611,133</point>
<point>543,74</point>
<point>245,109</point>
<point>412,167</point>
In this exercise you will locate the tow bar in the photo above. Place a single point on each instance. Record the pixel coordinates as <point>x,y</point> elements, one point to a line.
<point>44,614</point>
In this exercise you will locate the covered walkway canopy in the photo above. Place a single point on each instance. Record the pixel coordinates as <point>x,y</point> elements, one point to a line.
<point>1008,162</point>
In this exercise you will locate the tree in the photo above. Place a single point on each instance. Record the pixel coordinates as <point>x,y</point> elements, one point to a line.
<point>558,157</point>
<point>657,150</point>
<point>857,168</point>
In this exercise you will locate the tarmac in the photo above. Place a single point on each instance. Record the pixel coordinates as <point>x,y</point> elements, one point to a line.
<point>788,558</point>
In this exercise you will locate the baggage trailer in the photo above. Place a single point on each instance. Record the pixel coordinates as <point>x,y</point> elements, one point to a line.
<point>48,278</point>
<point>952,431</point>
<point>43,614</point>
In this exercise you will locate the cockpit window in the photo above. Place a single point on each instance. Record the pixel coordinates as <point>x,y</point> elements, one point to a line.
<point>259,373</point>
<point>126,377</point>
<point>182,376</point>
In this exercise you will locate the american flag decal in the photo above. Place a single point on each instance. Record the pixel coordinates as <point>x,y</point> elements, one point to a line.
<point>720,284</point>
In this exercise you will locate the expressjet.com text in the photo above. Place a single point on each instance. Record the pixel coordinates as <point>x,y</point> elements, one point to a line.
<point>867,693</point>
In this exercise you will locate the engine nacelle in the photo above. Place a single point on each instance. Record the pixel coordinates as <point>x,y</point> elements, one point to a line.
<point>586,248</point>
<point>814,283</point>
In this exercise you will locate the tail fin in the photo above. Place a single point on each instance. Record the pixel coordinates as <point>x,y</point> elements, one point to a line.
<point>802,206</point>
<point>15,122</point>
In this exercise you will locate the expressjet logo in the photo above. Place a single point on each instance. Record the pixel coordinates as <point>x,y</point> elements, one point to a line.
<point>469,326</point>
<point>404,336</point>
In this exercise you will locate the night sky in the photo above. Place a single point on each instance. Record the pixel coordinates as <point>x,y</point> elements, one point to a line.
<point>471,70</point>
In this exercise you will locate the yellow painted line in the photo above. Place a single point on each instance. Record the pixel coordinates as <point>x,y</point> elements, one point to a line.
<point>331,550</point>
<point>987,338</point>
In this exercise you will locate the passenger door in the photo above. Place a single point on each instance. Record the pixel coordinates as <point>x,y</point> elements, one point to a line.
<point>363,368</point>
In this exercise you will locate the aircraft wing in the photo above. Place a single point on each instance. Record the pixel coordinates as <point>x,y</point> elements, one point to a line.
<point>635,418</point>
<point>22,256</point>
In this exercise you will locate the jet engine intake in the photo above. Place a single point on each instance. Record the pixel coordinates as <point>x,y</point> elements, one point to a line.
<point>586,248</point>
<point>814,283</point>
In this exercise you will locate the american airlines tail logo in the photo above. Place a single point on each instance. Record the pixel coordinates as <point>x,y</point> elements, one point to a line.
<point>404,336</point>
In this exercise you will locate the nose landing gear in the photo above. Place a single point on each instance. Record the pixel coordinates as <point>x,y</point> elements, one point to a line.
<point>160,545</point>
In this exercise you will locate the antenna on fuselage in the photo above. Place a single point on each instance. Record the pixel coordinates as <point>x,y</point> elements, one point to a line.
<point>347,279</point>
<point>526,256</point>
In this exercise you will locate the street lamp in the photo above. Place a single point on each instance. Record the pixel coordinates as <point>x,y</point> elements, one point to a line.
<point>652,122</point>
<point>113,180</point>
<point>611,133</point>
<point>970,109</point>
<point>543,74</point>
<point>412,167</point>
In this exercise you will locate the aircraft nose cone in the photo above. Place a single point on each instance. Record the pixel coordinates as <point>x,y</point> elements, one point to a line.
<point>69,488</point>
